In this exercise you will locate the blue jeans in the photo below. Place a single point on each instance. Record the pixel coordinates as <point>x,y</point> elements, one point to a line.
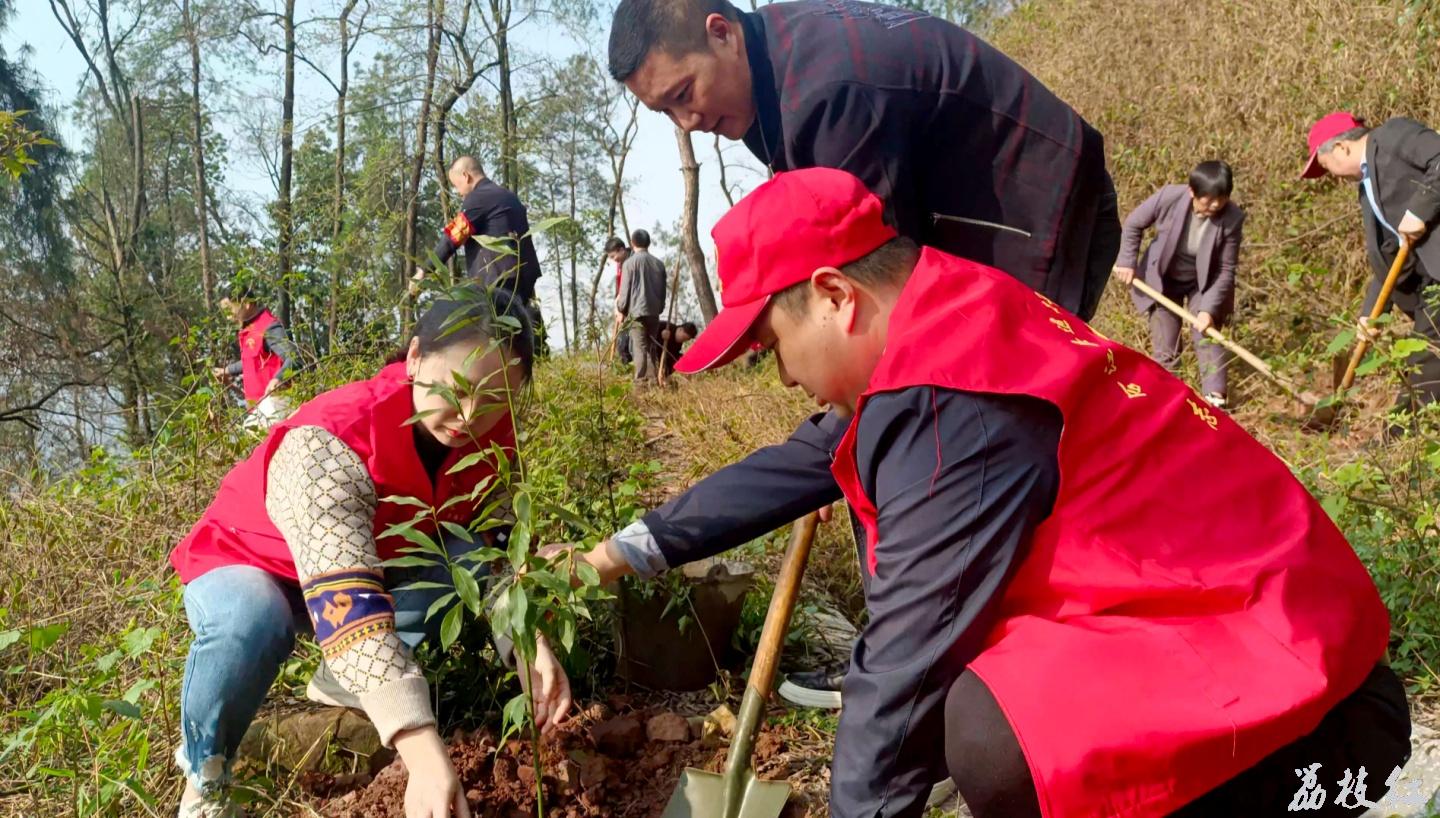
<point>245,621</point>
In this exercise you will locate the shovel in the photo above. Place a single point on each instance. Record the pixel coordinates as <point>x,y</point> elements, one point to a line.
<point>1381,303</point>
<point>1240,352</point>
<point>737,793</point>
<point>1325,415</point>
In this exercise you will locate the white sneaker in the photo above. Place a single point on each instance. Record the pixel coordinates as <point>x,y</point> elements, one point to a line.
<point>1216,400</point>
<point>815,688</point>
<point>211,808</point>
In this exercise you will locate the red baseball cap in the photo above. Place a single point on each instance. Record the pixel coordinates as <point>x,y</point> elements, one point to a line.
<point>776,237</point>
<point>1325,129</point>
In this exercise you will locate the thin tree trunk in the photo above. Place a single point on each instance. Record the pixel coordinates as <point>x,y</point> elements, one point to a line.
<point>595,290</point>
<point>724,185</point>
<point>410,256</point>
<point>617,195</point>
<point>197,150</point>
<point>122,227</point>
<point>167,251</point>
<point>689,228</point>
<point>564,324</point>
<point>332,320</point>
<point>574,287</point>
<point>458,89</point>
<point>624,220</point>
<point>284,217</point>
<point>509,170</point>
<point>627,139</point>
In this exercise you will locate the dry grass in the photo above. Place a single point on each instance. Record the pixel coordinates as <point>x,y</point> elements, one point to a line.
<point>1170,83</point>
<point>715,419</point>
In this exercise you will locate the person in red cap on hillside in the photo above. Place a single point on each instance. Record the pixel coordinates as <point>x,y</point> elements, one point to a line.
<point>1047,624</point>
<point>1398,168</point>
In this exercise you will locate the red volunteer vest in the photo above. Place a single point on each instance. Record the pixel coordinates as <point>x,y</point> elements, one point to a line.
<point>369,416</point>
<point>260,367</point>
<point>1144,653</point>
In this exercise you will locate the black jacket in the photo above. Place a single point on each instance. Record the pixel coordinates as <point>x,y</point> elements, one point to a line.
<point>957,530</point>
<point>491,210</point>
<point>970,152</point>
<point>1403,157</point>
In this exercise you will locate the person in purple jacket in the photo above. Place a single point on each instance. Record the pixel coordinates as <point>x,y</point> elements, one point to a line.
<point>1192,260</point>
<point>969,153</point>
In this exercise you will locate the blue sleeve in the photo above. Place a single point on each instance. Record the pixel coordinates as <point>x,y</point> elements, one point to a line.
<point>771,488</point>
<point>960,482</point>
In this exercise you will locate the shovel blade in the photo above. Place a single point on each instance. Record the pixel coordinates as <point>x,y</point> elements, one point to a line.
<point>702,795</point>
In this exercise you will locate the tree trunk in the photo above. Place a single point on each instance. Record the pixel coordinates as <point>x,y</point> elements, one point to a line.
<point>332,318</point>
<point>574,228</point>
<point>689,228</point>
<point>197,149</point>
<point>617,193</point>
<point>410,257</point>
<point>509,128</point>
<point>124,224</point>
<point>720,160</point>
<point>458,89</point>
<point>285,222</point>
<point>564,323</point>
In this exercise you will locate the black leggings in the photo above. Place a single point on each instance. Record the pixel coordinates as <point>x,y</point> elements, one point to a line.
<point>1370,727</point>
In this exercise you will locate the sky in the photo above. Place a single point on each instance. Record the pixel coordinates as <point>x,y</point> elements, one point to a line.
<point>655,193</point>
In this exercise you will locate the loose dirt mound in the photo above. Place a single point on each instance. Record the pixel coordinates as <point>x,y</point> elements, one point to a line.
<point>601,764</point>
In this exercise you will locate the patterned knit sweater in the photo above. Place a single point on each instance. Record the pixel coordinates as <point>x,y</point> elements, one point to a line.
<point>322,500</point>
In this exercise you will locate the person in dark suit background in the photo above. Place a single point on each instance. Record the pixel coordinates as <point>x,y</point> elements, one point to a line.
<point>487,209</point>
<point>1397,166</point>
<point>1192,260</point>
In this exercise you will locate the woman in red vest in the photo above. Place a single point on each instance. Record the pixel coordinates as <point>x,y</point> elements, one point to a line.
<point>293,541</point>
<point>267,357</point>
<point>1090,593</point>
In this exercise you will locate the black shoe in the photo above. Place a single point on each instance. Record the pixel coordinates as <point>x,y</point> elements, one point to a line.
<point>813,688</point>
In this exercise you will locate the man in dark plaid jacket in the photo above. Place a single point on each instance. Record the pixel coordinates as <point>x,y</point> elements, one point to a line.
<point>970,153</point>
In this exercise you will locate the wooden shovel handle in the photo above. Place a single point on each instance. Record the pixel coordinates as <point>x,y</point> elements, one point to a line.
<point>782,605</point>
<point>614,342</point>
<point>1381,302</point>
<point>1213,334</point>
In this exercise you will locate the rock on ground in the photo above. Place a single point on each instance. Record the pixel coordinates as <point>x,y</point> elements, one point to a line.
<point>667,727</point>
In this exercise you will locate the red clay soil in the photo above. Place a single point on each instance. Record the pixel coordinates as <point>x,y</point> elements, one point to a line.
<point>600,764</point>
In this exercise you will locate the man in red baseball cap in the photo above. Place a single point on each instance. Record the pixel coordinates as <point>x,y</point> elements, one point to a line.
<point>1397,166</point>
<point>1044,625</point>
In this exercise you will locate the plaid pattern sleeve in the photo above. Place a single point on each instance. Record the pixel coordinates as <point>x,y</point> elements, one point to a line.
<point>321,498</point>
